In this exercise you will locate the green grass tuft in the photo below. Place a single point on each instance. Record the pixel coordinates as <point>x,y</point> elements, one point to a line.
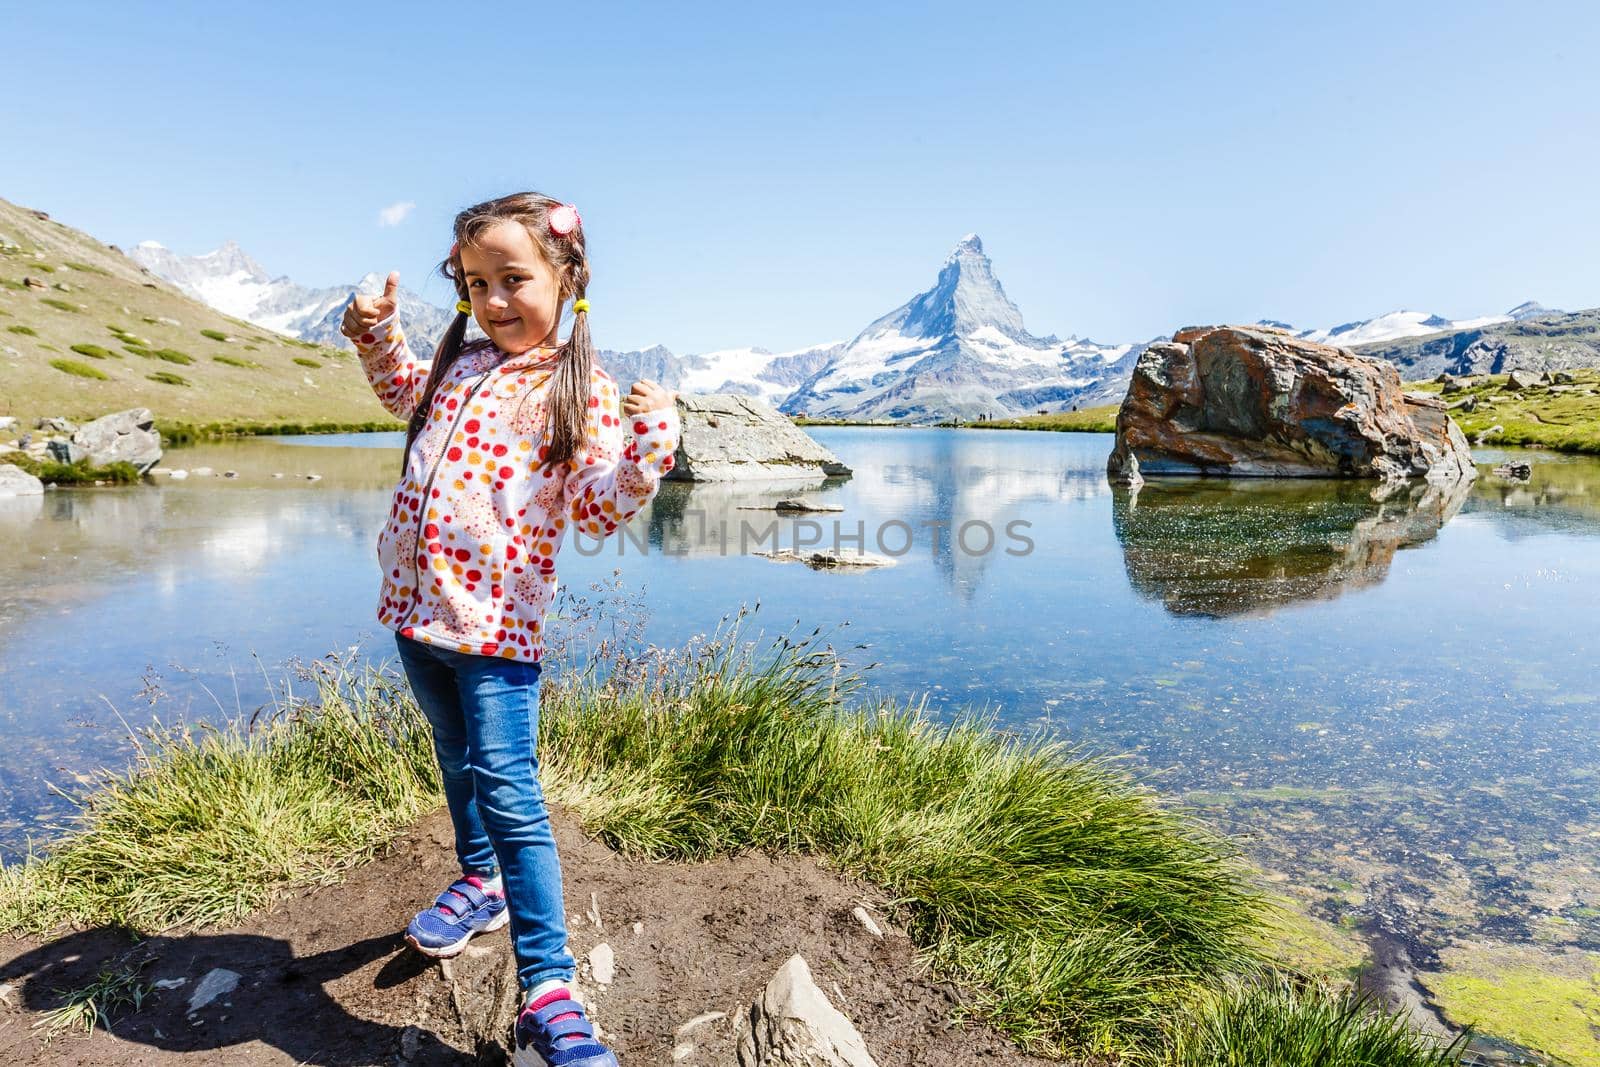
<point>212,824</point>
<point>304,362</point>
<point>79,473</point>
<point>234,361</point>
<point>88,268</point>
<point>215,335</point>
<point>117,989</point>
<point>59,305</point>
<point>167,378</point>
<point>172,355</point>
<point>26,331</point>
<point>94,351</point>
<point>184,433</point>
<point>1285,1024</point>
<point>81,370</point>
<point>1090,420</point>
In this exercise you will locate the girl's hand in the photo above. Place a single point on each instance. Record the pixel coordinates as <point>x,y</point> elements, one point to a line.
<point>647,395</point>
<point>365,312</point>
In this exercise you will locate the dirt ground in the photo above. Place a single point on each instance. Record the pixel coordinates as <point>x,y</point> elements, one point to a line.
<point>326,981</point>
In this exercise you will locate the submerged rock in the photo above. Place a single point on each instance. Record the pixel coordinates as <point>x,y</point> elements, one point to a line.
<point>1516,470</point>
<point>824,559</point>
<point>1245,401</point>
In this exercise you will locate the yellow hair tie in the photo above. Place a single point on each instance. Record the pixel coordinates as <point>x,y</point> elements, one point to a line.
<point>463,307</point>
<point>580,306</point>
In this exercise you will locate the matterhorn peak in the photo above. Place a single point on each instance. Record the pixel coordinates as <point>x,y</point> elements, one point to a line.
<point>970,243</point>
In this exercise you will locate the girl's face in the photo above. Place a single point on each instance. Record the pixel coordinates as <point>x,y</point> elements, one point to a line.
<point>516,296</point>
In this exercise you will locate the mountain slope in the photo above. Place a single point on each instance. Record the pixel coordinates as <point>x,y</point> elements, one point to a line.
<point>1547,341</point>
<point>229,280</point>
<point>959,349</point>
<point>143,343</point>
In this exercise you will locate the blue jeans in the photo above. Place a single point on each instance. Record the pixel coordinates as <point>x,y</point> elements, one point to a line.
<point>485,717</point>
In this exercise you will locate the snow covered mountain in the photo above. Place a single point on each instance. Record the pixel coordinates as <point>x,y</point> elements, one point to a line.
<point>1401,324</point>
<point>229,280</point>
<point>960,350</point>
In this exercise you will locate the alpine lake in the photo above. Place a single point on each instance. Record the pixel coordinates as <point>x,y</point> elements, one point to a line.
<point>1388,697</point>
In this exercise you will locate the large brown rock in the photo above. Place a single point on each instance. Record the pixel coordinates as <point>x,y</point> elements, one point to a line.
<point>1246,401</point>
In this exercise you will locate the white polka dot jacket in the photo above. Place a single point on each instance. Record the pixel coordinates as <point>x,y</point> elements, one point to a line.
<point>468,551</point>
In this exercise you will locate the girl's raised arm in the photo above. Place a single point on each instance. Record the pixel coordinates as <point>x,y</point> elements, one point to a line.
<point>622,463</point>
<point>397,376</point>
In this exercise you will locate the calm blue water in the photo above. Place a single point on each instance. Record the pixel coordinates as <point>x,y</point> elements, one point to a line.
<point>1392,701</point>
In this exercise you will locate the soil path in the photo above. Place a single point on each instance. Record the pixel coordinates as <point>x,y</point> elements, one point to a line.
<point>325,980</point>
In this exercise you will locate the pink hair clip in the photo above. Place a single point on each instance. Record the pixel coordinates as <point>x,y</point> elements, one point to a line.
<point>564,219</point>
<point>455,249</point>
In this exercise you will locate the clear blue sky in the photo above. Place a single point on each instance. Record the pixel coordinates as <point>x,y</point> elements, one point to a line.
<point>780,177</point>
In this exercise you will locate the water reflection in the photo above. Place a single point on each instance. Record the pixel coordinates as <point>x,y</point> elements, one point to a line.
<point>1221,548</point>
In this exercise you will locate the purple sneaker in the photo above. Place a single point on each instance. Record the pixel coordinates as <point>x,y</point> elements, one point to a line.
<point>461,911</point>
<point>553,1031</point>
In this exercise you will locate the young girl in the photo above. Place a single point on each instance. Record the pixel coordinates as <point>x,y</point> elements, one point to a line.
<point>510,441</point>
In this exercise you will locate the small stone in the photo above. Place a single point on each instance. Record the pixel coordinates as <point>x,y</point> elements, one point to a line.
<point>5,995</point>
<point>699,1020</point>
<point>202,472</point>
<point>277,474</point>
<point>313,477</point>
<point>218,982</point>
<point>230,474</point>
<point>179,475</point>
<point>171,983</point>
<point>602,964</point>
<point>594,911</point>
<point>638,929</point>
<point>866,920</point>
<point>682,1051</point>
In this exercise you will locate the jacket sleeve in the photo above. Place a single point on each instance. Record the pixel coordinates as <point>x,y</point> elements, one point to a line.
<point>623,461</point>
<point>397,376</point>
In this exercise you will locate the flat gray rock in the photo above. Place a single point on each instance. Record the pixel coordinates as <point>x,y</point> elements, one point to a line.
<point>14,481</point>
<point>727,437</point>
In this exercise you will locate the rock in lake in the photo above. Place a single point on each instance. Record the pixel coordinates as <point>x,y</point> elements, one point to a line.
<point>1246,401</point>
<point>727,437</point>
<point>124,437</point>
<point>1516,470</point>
<point>14,481</point>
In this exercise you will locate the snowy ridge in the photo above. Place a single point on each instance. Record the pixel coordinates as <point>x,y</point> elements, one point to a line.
<point>1396,325</point>
<point>229,280</point>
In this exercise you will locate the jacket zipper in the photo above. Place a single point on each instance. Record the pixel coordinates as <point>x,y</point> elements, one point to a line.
<point>422,512</point>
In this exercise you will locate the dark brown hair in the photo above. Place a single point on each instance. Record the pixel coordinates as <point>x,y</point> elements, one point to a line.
<point>567,408</point>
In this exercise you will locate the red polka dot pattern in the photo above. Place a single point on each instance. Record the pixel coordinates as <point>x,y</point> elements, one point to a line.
<point>469,559</point>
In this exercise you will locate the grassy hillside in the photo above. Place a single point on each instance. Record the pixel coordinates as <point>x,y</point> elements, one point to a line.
<point>1101,419</point>
<point>1563,417</point>
<point>102,335</point>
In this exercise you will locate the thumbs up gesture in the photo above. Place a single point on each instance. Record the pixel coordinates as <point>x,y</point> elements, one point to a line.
<point>364,312</point>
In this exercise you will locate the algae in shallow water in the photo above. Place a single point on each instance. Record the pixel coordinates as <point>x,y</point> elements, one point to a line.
<point>1544,1003</point>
